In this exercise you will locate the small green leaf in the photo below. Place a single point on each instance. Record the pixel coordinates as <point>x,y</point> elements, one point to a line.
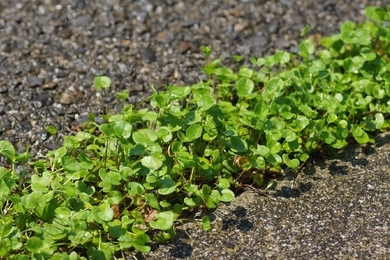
<point>151,162</point>
<point>179,91</point>
<point>164,220</point>
<point>8,150</point>
<point>360,135</point>
<point>144,136</point>
<point>101,82</point>
<point>106,213</point>
<point>367,54</point>
<point>274,85</point>
<point>164,134</point>
<point>331,118</point>
<point>206,50</point>
<point>305,30</point>
<point>82,237</point>
<point>51,130</point>
<point>223,183</point>
<point>226,195</point>
<point>194,132</point>
<point>292,164</point>
<point>112,177</point>
<point>206,224</point>
<point>306,48</point>
<point>244,87</point>
<point>282,57</point>
<point>152,200</point>
<point>70,164</point>
<point>140,242</point>
<point>205,102</point>
<point>122,95</point>
<point>259,62</point>
<point>274,146</point>
<point>122,129</point>
<point>166,186</point>
<point>375,13</point>
<point>34,244</point>
<point>289,135</point>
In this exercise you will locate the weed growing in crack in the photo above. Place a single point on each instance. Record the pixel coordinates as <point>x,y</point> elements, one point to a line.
<point>115,186</point>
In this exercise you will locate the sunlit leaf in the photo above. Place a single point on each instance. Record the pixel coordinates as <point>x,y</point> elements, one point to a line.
<point>101,82</point>
<point>164,220</point>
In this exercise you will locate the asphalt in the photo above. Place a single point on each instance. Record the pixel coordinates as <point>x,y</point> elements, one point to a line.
<point>337,207</point>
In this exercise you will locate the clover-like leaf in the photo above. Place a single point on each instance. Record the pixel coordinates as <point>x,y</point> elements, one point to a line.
<point>164,220</point>
<point>8,150</point>
<point>101,82</point>
<point>194,131</point>
<point>34,244</point>
<point>166,186</point>
<point>291,163</point>
<point>306,48</point>
<point>226,195</point>
<point>165,134</point>
<point>151,162</point>
<point>375,13</point>
<point>244,87</point>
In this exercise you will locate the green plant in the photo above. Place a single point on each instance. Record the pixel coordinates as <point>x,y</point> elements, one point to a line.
<point>100,83</point>
<point>114,185</point>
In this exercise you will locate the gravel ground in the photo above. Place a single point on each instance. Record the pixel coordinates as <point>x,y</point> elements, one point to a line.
<point>50,51</point>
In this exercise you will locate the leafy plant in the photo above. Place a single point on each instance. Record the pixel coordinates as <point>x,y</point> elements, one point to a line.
<point>115,185</point>
<point>102,82</point>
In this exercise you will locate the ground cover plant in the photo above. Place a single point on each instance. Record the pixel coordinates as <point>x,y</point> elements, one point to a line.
<point>114,186</point>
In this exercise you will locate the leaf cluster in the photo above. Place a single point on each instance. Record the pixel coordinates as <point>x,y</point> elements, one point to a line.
<point>115,185</point>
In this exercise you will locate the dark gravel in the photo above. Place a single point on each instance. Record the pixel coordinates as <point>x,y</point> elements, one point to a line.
<point>50,51</point>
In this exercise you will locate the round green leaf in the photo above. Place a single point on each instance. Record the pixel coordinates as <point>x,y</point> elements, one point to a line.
<point>262,150</point>
<point>106,213</point>
<point>8,150</point>
<point>244,87</point>
<point>367,54</point>
<point>164,220</point>
<point>274,85</point>
<point>226,195</point>
<point>145,136</point>
<point>274,146</point>
<point>205,102</point>
<point>62,212</point>
<point>360,135</point>
<point>167,186</point>
<point>51,130</point>
<point>122,129</point>
<point>375,13</point>
<point>70,163</point>
<point>282,57</point>
<point>194,131</point>
<point>306,48</point>
<point>139,243</point>
<point>165,134</point>
<point>292,164</point>
<point>223,183</point>
<point>179,91</point>
<point>101,82</point>
<point>152,200</point>
<point>289,135</point>
<point>151,162</point>
<point>34,244</point>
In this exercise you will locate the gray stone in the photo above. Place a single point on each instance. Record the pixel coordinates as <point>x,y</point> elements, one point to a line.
<point>148,55</point>
<point>34,82</point>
